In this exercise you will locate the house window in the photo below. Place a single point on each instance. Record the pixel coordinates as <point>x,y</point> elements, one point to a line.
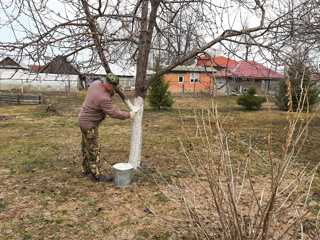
<point>194,77</point>
<point>181,79</point>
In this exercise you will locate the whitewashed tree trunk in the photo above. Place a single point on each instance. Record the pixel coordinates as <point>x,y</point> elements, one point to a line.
<point>136,135</point>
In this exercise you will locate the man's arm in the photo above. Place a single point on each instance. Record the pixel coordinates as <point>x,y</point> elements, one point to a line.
<point>108,108</point>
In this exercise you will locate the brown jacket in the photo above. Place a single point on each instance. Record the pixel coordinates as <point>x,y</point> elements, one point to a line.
<point>97,105</point>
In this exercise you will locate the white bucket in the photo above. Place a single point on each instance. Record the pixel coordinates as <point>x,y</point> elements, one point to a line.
<point>122,174</point>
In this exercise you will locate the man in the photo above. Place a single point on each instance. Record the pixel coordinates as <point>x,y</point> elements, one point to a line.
<point>97,105</point>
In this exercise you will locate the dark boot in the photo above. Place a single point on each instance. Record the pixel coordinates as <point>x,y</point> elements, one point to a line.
<point>104,178</point>
<point>85,174</point>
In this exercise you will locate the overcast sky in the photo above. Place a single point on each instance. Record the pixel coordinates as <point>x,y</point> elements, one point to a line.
<point>6,34</point>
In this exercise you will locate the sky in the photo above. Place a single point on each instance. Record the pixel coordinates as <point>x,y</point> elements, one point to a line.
<point>6,34</point>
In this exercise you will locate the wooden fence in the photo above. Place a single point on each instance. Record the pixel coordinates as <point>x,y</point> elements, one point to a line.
<point>13,98</point>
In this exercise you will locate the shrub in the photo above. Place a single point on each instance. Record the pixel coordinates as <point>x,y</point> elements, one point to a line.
<point>296,88</point>
<point>158,95</point>
<point>282,96</point>
<point>83,94</point>
<point>249,101</point>
<point>230,204</point>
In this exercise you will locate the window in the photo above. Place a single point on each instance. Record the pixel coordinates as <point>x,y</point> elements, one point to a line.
<point>194,77</point>
<point>181,79</point>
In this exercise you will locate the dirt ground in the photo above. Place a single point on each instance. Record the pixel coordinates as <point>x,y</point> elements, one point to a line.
<point>44,196</point>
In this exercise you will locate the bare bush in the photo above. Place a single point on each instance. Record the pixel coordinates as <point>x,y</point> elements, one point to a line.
<point>229,199</point>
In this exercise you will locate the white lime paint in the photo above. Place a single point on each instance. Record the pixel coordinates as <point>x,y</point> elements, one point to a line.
<point>129,104</point>
<point>136,135</point>
<point>123,166</point>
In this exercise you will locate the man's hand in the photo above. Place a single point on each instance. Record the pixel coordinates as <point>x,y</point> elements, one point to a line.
<point>136,109</point>
<point>132,114</point>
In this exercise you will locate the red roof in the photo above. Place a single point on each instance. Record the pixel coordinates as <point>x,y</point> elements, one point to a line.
<point>248,69</point>
<point>221,62</point>
<point>35,68</point>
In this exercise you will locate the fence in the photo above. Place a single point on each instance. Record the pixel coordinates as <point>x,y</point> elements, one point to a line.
<point>11,98</point>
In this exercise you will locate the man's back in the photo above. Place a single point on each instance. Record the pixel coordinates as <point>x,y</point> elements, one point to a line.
<point>97,105</point>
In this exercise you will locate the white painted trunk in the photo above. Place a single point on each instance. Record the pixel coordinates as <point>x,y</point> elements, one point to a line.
<point>136,135</point>
<point>129,104</point>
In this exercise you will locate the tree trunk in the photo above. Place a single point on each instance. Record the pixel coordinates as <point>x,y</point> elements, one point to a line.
<point>136,135</point>
<point>147,27</point>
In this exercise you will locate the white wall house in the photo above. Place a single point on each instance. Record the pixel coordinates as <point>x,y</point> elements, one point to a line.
<point>95,71</point>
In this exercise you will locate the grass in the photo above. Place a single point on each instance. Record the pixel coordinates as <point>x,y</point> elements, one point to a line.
<point>42,192</point>
<point>161,198</point>
<point>3,205</point>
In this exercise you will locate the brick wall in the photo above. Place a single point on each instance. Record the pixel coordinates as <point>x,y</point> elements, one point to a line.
<point>204,84</point>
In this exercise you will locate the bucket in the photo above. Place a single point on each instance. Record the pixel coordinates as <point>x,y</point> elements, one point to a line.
<point>122,174</point>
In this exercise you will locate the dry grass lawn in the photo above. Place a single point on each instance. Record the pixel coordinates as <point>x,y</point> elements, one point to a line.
<point>44,196</point>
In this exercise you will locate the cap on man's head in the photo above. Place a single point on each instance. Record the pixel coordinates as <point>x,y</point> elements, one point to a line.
<point>113,80</point>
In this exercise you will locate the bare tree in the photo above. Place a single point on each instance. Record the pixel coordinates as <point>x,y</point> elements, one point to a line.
<point>129,31</point>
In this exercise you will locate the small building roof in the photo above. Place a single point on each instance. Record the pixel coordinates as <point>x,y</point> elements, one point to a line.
<point>36,68</point>
<point>123,70</point>
<point>96,68</point>
<point>60,65</point>
<point>9,63</point>
<point>193,69</point>
<point>249,69</point>
<point>220,62</point>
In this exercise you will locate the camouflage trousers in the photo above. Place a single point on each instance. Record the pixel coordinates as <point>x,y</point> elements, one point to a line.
<point>91,151</point>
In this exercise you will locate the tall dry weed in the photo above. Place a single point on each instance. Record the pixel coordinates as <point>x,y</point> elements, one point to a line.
<point>229,199</point>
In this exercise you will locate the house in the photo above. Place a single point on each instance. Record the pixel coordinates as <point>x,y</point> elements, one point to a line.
<point>218,63</point>
<point>126,74</point>
<point>92,71</point>
<point>239,76</point>
<point>199,77</point>
<point>95,71</point>
<point>20,77</point>
<point>190,78</point>
<point>10,64</point>
<point>60,65</point>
